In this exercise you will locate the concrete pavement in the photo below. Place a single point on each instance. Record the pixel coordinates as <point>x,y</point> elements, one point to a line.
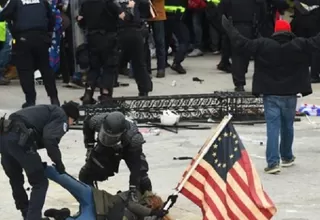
<point>295,191</point>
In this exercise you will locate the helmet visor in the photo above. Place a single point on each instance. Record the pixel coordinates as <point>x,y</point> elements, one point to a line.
<point>108,139</point>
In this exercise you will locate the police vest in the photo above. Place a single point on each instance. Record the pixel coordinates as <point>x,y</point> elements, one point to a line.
<point>216,2</point>
<point>174,9</point>
<point>3,31</point>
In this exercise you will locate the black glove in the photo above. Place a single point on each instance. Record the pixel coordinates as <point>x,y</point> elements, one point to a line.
<point>226,23</point>
<point>159,213</point>
<point>59,167</point>
<point>133,194</point>
<point>173,199</point>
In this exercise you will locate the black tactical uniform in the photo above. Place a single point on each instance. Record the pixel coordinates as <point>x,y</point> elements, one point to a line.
<point>267,26</point>
<point>100,20</point>
<point>21,136</point>
<point>305,23</point>
<point>246,16</point>
<point>32,20</point>
<point>131,40</point>
<point>118,139</point>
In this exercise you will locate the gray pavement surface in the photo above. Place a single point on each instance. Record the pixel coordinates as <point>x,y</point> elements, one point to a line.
<point>295,190</point>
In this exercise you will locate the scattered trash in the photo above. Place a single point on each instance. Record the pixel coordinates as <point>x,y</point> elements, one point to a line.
<point>182,158</point>
<point>150,131</point>
<point>196,79</point>
<point>174,83</point>
<point>310,110</point>
<point>169,117</point>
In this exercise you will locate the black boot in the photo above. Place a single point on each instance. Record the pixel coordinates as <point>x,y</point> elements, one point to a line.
<point>61,214</point>
<point>28,104</point>
<point>178,68</point>
<point>161,74</point>
<point>87,98</point>
<point>239,89</point>
<point>145,94</point>
<point>105,97</point>
<point>55,101</point>
<point>224,67</point>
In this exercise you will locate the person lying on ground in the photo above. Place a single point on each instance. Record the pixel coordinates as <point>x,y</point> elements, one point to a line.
<point>100,205</point>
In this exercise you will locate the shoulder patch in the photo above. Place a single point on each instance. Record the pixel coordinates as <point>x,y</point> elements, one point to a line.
<point>65,127</point>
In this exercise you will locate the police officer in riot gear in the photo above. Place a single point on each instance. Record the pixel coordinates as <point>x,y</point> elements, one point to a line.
<point>246,16</point>
<point>32,21</point>
<point>131,40</point>
<point>118,139</point>
<point>305,23</point>
<point>100,20</point>
<point>25,132</point>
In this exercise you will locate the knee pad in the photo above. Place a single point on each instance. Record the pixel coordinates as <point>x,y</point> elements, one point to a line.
<point>85,176</point>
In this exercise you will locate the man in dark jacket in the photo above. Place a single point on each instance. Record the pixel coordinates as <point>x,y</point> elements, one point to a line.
<point>281,72</point>
<point>21,136</point>
<point>118,139</point>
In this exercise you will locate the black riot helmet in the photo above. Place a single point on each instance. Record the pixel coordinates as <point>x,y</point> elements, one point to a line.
<point>114,125</point>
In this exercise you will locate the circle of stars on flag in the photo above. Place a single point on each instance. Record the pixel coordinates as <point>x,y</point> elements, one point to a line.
<point>215,148</point>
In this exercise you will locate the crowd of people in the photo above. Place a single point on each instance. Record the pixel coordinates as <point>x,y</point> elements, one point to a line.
<point>117,33</point>
<point>142,30</point>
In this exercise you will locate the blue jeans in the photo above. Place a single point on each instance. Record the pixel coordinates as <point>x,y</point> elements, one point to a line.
<point>5,53</point>
<point>159,40</point>
<point>80,191</point>
<point>279,113</point>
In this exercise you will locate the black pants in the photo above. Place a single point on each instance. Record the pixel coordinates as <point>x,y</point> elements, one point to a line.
<point>240,60</point>
<point>103,58</point>
<point>174,25</point>
<point>91,172</point>
<point>14,160</point>
<point>31,53</point>
<point>132,48</point>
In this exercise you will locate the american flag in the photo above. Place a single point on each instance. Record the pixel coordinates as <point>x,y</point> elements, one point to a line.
<point>225,184</point>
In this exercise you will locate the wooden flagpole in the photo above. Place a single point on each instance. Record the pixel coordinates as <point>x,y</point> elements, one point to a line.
<point>202,153</point>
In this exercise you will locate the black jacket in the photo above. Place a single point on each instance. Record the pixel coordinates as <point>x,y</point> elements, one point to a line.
<point>133,15</point>
<point>281,63</point>
<point>28,15</point>
<point>131,141</point>
<point>267,25</point>
<point>100,15</point>
<point>49,122</point>
<point>245,11</point>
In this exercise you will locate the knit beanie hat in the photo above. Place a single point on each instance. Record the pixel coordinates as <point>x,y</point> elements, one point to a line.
<point>71,109</point>
<point>282,26</point>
